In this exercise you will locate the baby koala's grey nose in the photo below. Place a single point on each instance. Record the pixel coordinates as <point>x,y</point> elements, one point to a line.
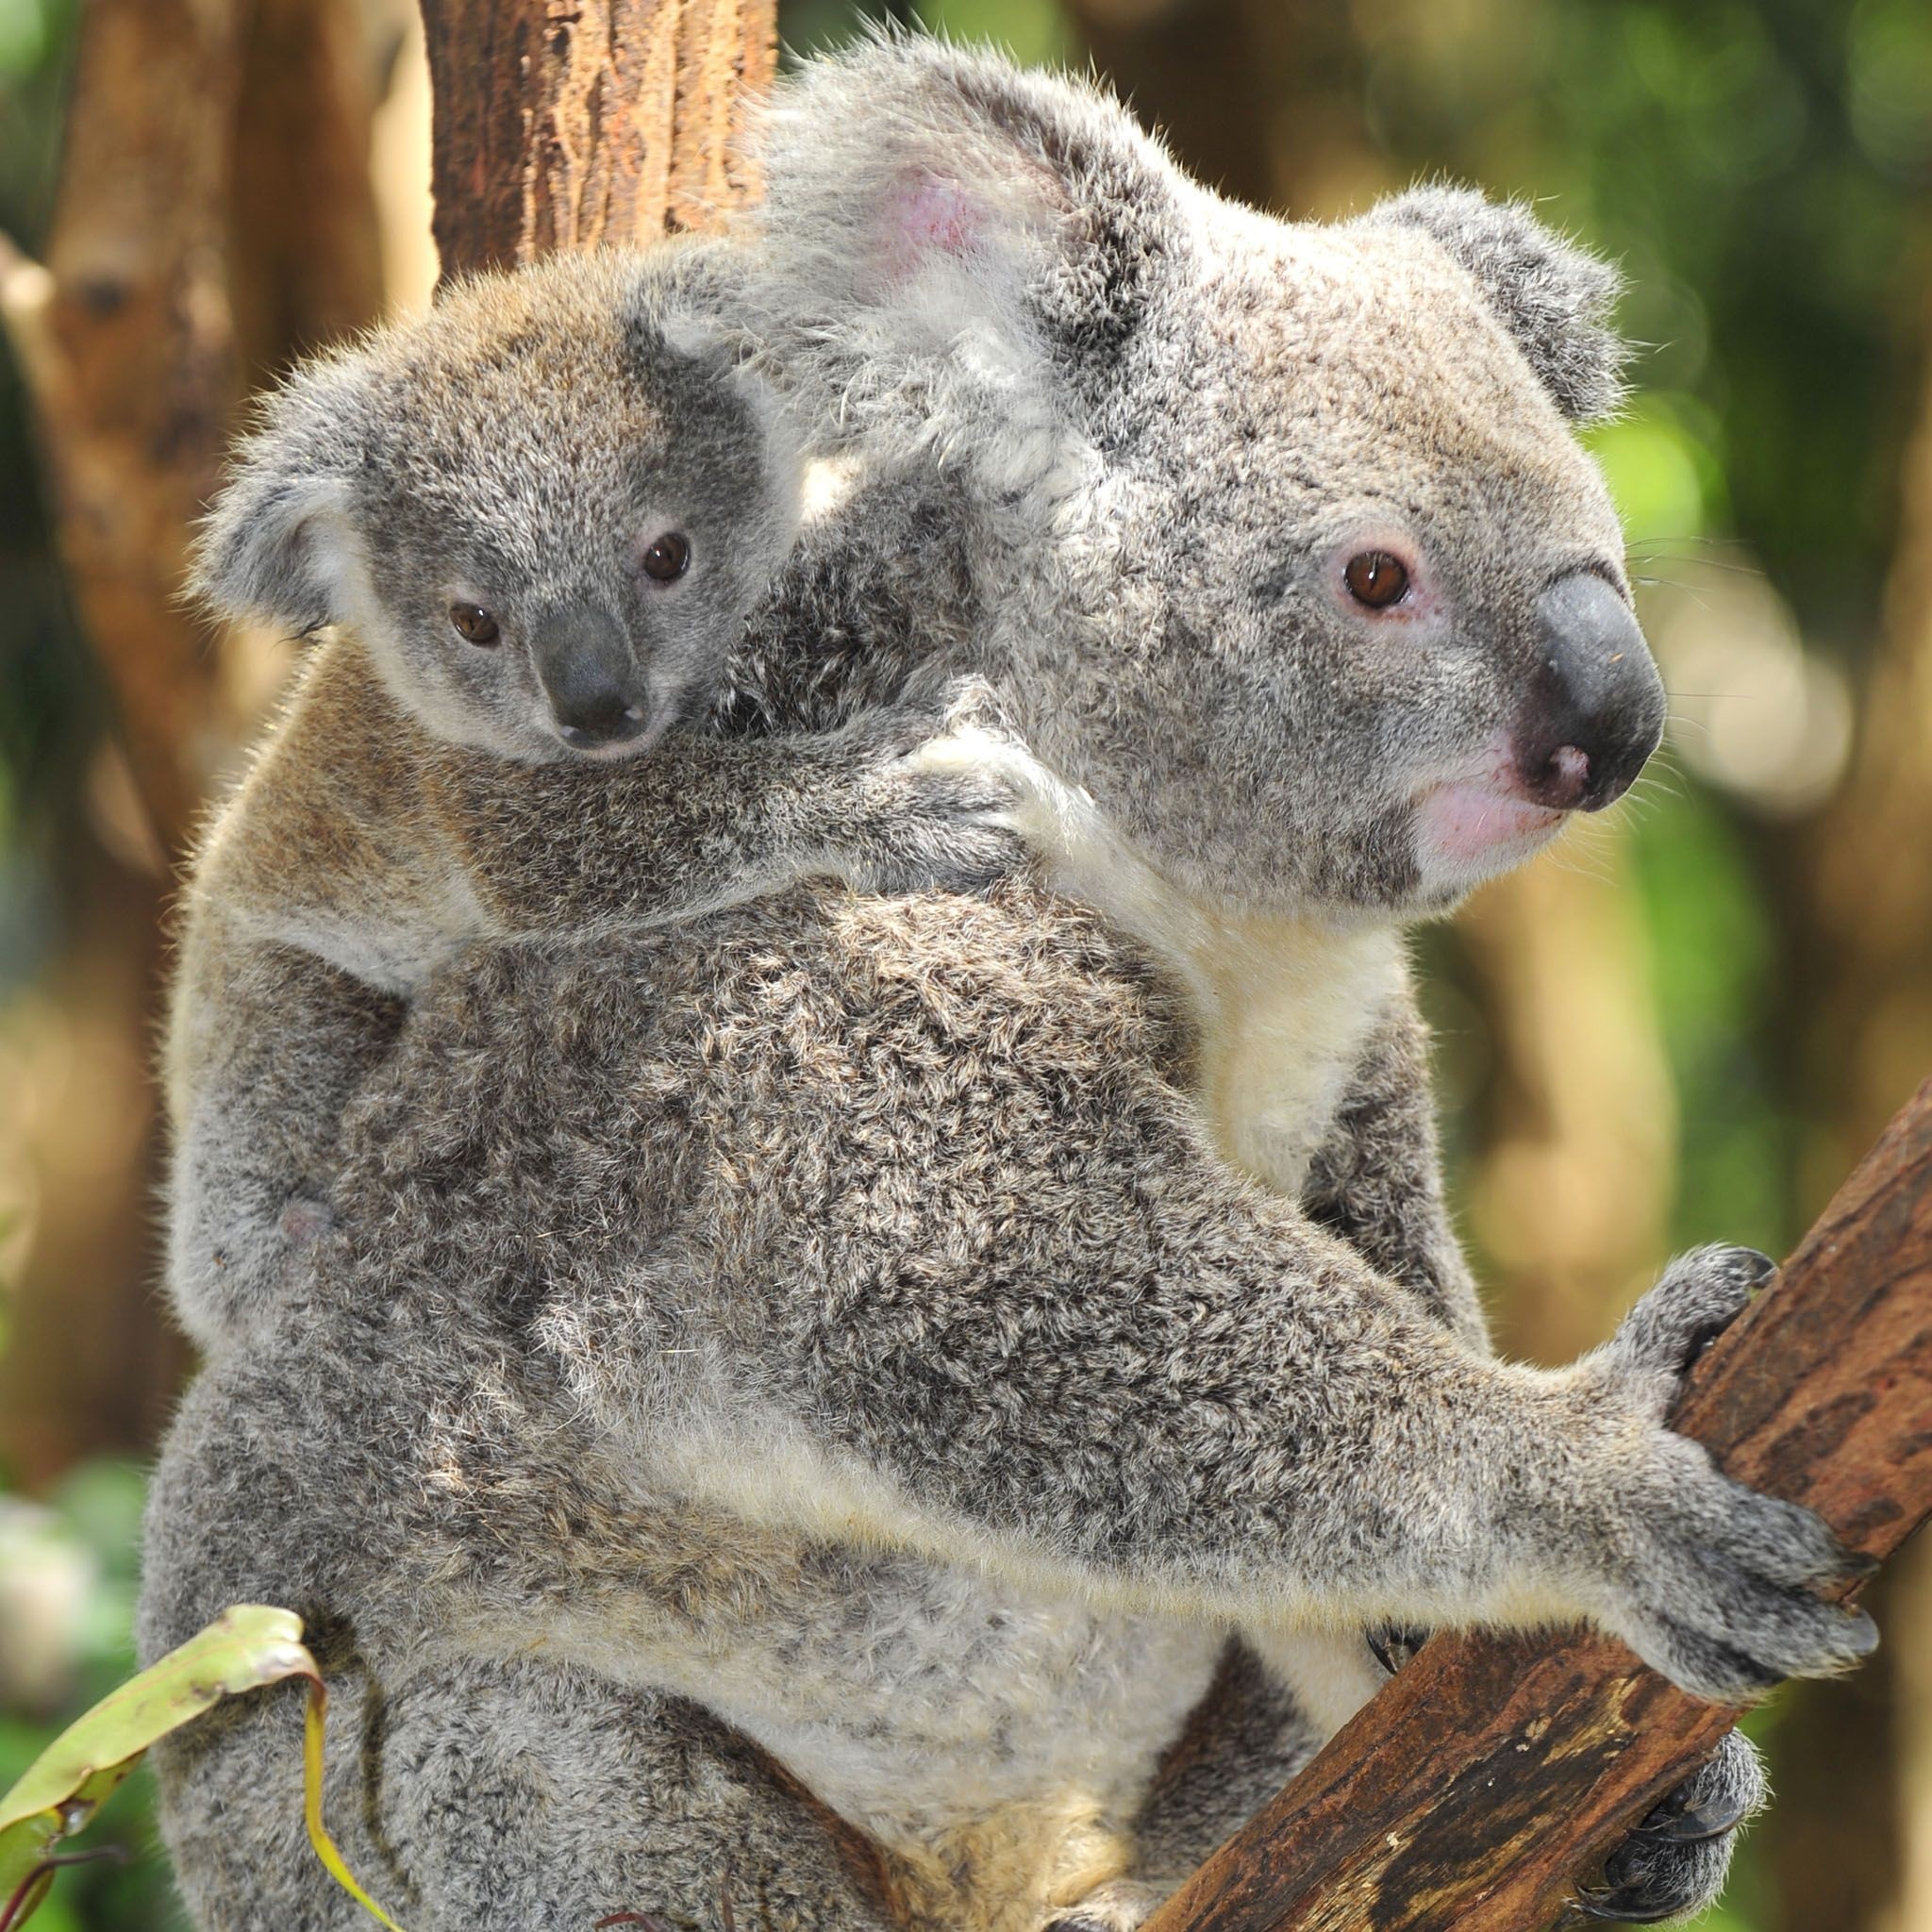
<point>584,663</point>
<point>1596,709</point>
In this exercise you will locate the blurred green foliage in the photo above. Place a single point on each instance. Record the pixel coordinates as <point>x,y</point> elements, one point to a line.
<point>1761,167</point>
<point>51,702</point>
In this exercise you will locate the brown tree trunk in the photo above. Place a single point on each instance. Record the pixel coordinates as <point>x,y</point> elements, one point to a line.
<point>567,123</point>
<point>305,261</point>
<point>214,218</point>
<point>1484,1780</point>
<point>127,338</point>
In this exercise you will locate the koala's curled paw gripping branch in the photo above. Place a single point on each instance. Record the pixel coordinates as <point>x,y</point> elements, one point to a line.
<point>1483,1787</point>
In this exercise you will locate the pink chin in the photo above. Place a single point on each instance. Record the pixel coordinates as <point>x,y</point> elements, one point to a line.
<point>1469,823</point>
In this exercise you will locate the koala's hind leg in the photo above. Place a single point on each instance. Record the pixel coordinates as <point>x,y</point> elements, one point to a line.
<point>541,1797</point>
<point>1244,1740</point>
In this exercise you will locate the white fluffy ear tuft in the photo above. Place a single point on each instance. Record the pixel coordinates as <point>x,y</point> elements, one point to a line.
<point>278,544</point>
<point>952,250</point>
<point>903,155</point>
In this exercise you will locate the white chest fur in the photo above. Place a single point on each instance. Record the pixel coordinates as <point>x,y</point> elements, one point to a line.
<point>1284,1005</point>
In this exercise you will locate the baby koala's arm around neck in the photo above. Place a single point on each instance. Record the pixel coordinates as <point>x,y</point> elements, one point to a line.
<point>698,823</point>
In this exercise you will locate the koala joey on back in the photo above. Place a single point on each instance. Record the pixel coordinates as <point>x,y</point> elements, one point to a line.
<point>537,520</point>
<point>808,1394</point>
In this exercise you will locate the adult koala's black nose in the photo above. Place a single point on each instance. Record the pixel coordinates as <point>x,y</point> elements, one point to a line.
<point>584,663</point>
<point>1596,711</point>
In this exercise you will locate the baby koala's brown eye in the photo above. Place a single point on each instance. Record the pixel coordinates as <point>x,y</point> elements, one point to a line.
<point>667,557</point>
<point>474,623</point>
<point>1376,579</point>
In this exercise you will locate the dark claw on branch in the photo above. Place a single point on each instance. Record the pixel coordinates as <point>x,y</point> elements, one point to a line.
<point>1631,1905</point>
<point>1395,1646</point>
<point>1681,1818</point>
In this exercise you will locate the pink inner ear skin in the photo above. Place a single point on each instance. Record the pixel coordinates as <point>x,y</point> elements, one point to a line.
<point>927,218</point>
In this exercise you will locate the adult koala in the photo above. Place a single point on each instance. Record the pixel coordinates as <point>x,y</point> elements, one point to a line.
<point>793,1405</point>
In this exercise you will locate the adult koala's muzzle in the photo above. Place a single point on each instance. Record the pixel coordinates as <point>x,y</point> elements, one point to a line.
<point>584,663</point>
<point>1596,711</point>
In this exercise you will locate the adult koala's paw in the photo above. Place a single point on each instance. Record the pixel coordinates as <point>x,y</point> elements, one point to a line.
<point>1697,1297</point>
<point>1673,1866</point>
<point>1721,1588</point>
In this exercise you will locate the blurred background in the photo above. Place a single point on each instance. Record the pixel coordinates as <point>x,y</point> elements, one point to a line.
<point>1686,1024</point>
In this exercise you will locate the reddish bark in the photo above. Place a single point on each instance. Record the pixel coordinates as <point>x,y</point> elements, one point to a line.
<point>566,124</point>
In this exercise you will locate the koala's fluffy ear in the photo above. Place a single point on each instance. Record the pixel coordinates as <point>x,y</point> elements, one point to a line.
<point>926,205</point>
<point>683,310</point>
<point>277,546</point>
<point>1555,298</point>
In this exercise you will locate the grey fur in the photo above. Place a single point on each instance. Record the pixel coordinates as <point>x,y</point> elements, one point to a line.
<point>1556,298</point>
<point>416,798</point>
<point>839,1323</point>
<point>1179,419</point>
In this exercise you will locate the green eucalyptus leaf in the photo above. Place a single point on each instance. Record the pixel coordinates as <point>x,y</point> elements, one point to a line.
<point>243,1649</point>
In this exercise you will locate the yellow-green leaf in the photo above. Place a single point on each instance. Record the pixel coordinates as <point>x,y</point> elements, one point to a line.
<point>243,1649</point>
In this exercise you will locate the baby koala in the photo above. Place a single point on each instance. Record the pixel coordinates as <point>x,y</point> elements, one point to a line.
<point>534,525</point>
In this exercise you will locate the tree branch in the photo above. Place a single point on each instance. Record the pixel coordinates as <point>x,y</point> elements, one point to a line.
<point>1477,1786</point>
<point>567,123</point>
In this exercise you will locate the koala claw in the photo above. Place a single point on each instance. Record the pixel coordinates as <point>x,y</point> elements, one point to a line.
<point>1699,1295</point>
<point>1628,1906</point>
<point>1396,1646</point>
<point>1648,1881</point>
<point>1719,1586</point>
<point>1688,1817</point>
<point>1724,1590</point>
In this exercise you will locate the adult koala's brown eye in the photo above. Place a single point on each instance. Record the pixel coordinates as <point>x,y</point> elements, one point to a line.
<point>667,557</point>
<point>1376,579</point>
<point>473,624</point>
